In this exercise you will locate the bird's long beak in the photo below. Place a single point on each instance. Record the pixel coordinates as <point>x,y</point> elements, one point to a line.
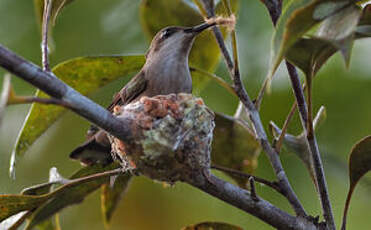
<point>199,28</point>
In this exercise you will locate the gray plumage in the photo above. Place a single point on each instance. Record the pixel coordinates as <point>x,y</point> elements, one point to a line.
<point>165,71</point>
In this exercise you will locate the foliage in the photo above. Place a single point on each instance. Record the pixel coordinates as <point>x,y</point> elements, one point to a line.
<point>307,34</point>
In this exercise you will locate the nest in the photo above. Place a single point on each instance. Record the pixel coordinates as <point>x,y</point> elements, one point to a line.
<point>172,137</point>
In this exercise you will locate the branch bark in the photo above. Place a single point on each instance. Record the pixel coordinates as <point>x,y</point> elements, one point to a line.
<point>274,9</point>
<point>207,182</point>
<point>243,200</point>
<point>313,146</point>
<point>256,121</point>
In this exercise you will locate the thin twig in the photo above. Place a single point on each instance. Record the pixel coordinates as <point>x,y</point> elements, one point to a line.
<point>254,196</point>
<point>261,135</point>
<point>312,142</point>
<point>45,34</point>
<point>218,36</point>
<point>93,177</point>
<point>307,123</point>
<point>268,183</point>
<point>280,139</point>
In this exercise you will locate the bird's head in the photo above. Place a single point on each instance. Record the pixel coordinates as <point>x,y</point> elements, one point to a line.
<point>174,41</point>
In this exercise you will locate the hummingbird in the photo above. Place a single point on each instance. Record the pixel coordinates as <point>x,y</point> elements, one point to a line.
<point>165,71</point>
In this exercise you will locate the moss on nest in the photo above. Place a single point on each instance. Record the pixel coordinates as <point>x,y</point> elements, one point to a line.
<point>173,135</point>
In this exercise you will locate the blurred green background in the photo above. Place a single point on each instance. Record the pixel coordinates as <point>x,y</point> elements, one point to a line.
<point>105,27</point>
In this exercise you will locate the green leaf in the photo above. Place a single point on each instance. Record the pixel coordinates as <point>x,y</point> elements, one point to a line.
<point>297,19</point>
<point>37,190</point>
<point>85,74</point>
<point>298,144</point>
<point>309,54</point>
<point>201,78</point>
<point>234,146</point>
<point>45,204</point>
<point>359,165</point>
<point>57,6</point>
<point>339,29</point>
<point>111,195</point>
<point>212,226</point>
<point>157,14</point>
<point>70,193</point>
<point>336,33</point>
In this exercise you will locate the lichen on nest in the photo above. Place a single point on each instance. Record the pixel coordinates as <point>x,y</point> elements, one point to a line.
<point>172,136</point>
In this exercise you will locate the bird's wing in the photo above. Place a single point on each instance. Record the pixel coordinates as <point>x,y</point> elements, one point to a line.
<point>94,150</point>
<point>131,91</point>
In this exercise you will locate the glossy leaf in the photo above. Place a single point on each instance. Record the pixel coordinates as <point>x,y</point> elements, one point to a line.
<point>359,165</point>
<point>234,146</point>
<point>212,226</point>
<point>297,19</point>
<point>85,74</point>
<point>309,54</point>
<point>157,14</point>
<point>298,144</point>
<point>336,33</point>
<point>111,195</point>
<point>339,29</point>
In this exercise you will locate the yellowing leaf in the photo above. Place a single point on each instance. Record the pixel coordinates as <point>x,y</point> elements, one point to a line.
<point>359,165</point>
<point>13,204</point>
<point>70,193</point>
<point>111,196</point>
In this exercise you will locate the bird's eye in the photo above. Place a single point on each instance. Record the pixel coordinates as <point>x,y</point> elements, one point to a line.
<point>166,33</point>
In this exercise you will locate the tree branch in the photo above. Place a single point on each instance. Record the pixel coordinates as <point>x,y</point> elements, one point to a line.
<point>313,146</point>
<point>260,132</point>
<point>243,200</point>
<point>45,34</point>
<point>311,138</point>
<point>268,183</point>
<point>50,84</point>
<point>81,105</point>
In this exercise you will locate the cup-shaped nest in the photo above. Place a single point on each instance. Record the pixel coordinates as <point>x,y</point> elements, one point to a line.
<point>172,137</point>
